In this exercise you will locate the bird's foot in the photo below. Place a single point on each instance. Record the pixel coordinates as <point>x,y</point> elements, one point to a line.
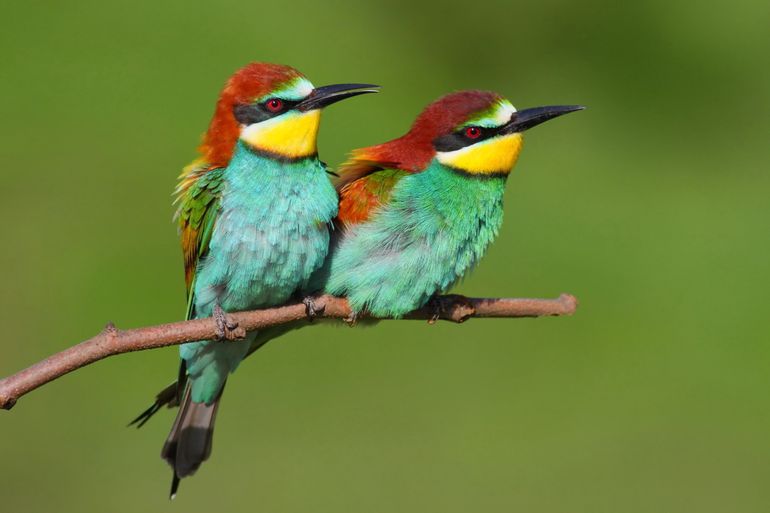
<point>226,328</point>
<point>453,306</point>
<point>311,309</point>
<point>351,319</point>
<point>437,306</point>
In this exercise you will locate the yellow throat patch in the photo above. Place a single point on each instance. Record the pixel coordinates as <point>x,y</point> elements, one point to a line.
<point>292,135</point>
<point>494,156</point>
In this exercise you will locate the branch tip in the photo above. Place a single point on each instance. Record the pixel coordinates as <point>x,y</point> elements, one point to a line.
<point>570,303</point>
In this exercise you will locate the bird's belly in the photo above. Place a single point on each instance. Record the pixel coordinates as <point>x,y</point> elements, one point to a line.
<point>257,261</point>
<point>395,263</point>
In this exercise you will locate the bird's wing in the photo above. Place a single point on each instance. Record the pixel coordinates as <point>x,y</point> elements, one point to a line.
<point>364,184</point>
<point>198,196</point>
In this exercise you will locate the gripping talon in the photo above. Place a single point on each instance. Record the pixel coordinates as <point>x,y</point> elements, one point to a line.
<point>453,307</point>
<point>437,305</point>
<point>311,310</point>
<point>226,328</point>
<point>351,319</point>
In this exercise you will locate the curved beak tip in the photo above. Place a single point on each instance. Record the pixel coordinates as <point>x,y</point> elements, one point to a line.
<point>558,110</point>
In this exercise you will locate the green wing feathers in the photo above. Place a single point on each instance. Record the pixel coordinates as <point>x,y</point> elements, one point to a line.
<point>198,195</point>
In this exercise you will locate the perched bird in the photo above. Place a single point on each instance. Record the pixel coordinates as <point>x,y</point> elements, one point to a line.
<point>417,213</point>
<point>254,215</point>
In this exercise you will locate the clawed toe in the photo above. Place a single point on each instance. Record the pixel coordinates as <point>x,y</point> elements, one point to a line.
<point>351,319</point>
<point>441,306</point>
<point>311,309</point>
<point>437,305</point>
<point>226,327</point>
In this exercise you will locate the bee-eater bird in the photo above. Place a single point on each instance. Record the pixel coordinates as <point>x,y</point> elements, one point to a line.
<point>418,212</point>
<point>254,213</point>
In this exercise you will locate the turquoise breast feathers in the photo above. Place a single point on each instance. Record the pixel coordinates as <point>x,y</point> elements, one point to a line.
<point>271,234</point>
<point>434,229</point>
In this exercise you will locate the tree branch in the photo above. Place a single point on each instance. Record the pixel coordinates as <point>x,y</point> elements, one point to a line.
<point>112,341</point>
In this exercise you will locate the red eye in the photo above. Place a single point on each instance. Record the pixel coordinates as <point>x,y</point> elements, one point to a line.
<point>274,105</point>
<point>472,132</point>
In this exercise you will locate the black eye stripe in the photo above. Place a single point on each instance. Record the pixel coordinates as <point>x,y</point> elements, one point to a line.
<point>250,113</point>
<point>457,140</point>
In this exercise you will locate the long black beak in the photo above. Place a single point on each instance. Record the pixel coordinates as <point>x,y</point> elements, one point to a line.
<point>527,118</point>
<point>324,96</point>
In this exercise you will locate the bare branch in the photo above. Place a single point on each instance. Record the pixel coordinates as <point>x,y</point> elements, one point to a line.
<point>112,341</point>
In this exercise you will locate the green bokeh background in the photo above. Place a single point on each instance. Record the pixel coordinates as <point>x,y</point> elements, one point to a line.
<point>652,207</point>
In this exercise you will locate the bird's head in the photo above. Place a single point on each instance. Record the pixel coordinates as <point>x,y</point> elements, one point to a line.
<point>273,109</point>
<point>480,133</point>
<point>474,132</point>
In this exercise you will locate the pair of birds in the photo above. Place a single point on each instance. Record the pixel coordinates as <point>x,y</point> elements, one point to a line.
<point>261,221</point>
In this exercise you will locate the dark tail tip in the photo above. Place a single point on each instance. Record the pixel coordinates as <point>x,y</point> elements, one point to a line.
<point>174,487</point>
<point>189,443</point>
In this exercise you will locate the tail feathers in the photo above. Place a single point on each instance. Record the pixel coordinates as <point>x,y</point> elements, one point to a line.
<point>166,397</point>
<point>189,442</point>
<point>169,396</point>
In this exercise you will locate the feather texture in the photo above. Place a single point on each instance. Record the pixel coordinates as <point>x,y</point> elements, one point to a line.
<point>271,233</point>
<point>433,230</point>
<point>361,193</point>
<point>196,215</point>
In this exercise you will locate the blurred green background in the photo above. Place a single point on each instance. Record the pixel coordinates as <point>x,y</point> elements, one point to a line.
<point>652,207</point>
